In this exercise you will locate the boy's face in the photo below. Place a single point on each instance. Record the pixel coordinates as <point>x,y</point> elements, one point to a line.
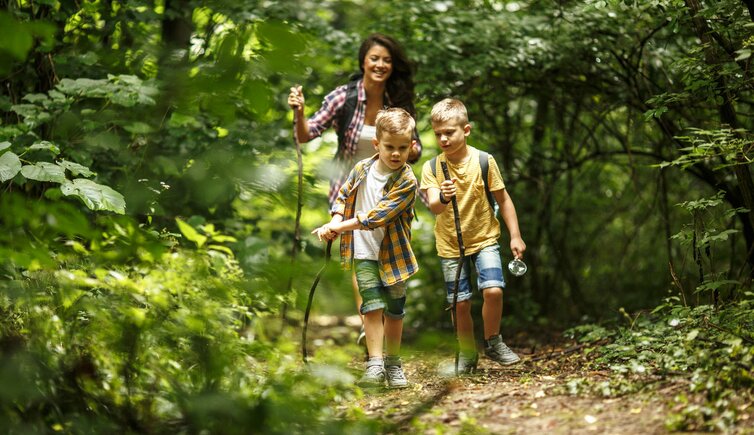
<point>451,136</point>
<point>393,150</point>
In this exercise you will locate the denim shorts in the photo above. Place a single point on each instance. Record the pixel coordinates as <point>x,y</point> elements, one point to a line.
<point>377,296</point>
<point>489,269</point>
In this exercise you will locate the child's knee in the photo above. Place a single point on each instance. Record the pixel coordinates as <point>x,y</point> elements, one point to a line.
<point>492,293</point>
<point>463,307</point>
<point>373,317</point>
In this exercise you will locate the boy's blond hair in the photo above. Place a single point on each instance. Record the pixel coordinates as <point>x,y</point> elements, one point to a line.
<point>449,109</point>
<point>395,121</point>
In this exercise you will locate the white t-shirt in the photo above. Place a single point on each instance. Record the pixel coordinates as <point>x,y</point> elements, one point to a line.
<point>366,243</point>
<point>364,148</point>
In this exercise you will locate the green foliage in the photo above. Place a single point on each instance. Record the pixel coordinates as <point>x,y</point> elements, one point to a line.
<point>710,226</point>
<point>710,350</point>
<point>167,344</point>
<point>149,307</point>
<point>42,109</point>
<point>720,148</point>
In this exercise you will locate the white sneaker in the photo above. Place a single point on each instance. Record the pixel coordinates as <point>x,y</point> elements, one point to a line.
<point>394,373</point>
<point>374,375</point>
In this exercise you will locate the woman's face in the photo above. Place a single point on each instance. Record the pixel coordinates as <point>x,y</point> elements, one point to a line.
<point>378,64</point>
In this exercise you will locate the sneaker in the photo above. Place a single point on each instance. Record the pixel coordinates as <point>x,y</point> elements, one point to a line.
<point>497,351</point>
<point>374,375</point>
<point>394,373</point>
<point>467,363</point>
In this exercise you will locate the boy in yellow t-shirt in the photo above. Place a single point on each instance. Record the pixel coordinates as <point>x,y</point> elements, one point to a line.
<point>479,227</point>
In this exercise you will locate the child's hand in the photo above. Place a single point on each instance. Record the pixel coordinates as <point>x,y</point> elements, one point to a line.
<point>325,232</point>
<point>518,247</point>
<point>448,188</point>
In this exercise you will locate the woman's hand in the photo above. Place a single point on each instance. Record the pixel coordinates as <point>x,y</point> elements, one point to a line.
<point>296,99</point>
<point>413,154</point>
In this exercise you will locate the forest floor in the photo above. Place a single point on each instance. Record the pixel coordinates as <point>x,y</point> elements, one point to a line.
<point>539,395</point>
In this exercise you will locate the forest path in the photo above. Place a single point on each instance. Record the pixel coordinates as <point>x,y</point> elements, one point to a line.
<point>534,396</point>
<point>531,397</point>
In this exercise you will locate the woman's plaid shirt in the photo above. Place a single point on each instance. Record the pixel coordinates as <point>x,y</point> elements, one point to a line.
<point>327,116</point>
<point>395,212</point>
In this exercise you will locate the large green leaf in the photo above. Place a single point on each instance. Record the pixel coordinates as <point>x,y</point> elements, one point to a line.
<point>76,169</point>
<point>46,145</point>
<point>95,196</point>
<point>44,171</point>
<point>4,145</point>
<point>10,164</point>
<point>190,233</point>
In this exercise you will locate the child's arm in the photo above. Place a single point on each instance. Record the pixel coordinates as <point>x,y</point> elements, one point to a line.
<point>341,226</point>
<point>508,212</point>
<point>439,194</point>
<point>328,231</point>
<point>399,199</point>
<point>440,198</point>
<point>336,227</point>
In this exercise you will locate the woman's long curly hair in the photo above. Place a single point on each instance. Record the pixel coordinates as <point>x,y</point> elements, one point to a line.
<point>400,85</point>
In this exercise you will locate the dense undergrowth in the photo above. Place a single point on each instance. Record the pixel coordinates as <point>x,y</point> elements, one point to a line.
<point>146,332</point>
<point>708,350</point>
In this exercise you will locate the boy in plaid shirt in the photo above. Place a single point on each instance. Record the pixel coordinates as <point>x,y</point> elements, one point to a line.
<point>373,212</point>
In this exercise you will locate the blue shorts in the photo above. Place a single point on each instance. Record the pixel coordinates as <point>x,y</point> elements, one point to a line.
<point>377,296</point>
<point>489,269</point>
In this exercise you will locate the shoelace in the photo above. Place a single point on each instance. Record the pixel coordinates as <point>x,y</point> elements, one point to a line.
<point>395,372</point>
<point>374,370</point>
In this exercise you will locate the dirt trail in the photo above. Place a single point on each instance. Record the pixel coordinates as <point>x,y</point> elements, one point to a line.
<point>535,396</point>
<point>528,398</point>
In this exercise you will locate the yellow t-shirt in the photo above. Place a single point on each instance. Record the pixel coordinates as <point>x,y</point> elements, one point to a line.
<point>479,226</point>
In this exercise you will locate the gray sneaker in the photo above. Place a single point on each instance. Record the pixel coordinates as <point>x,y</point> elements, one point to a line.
<point>467,363</point>
<point>497,351</point>
<point>394,373</point>
<point>374,375</point>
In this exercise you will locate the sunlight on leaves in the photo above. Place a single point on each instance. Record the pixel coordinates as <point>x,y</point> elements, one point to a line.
<point>95,196</point>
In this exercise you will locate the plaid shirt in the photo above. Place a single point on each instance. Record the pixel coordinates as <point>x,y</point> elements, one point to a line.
<point>395,211</point>
<point>327,116</point>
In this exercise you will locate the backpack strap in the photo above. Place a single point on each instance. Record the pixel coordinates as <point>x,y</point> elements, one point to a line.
<point>484,163</point>
<point>346,113</point>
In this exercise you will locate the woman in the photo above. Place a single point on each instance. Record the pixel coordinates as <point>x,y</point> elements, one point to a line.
<point>386,81</point>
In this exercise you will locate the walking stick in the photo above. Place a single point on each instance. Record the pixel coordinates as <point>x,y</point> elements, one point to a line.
<point>311,298</point>
<point>297,228</point>
<point>461,250</point>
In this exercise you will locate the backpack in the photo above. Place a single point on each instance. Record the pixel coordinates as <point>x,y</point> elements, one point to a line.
<point>348,109</point>
<point>484,163</point>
